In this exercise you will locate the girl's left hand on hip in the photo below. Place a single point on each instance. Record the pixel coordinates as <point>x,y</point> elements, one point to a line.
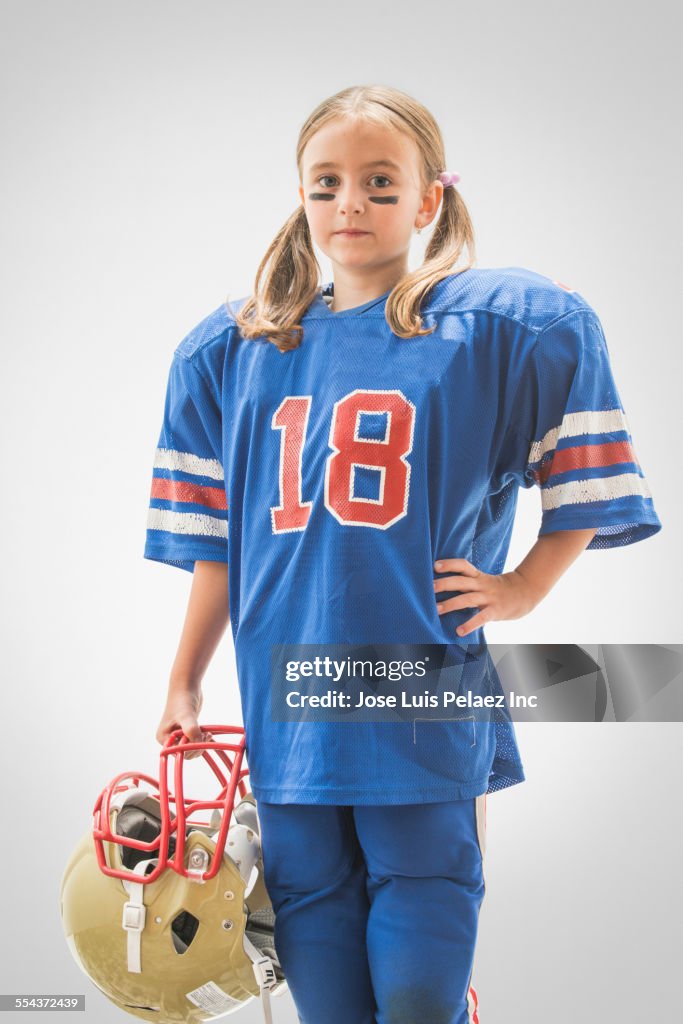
<point>505,595</point>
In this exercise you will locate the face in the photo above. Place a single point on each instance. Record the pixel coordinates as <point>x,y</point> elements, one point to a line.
<point>359,177</point>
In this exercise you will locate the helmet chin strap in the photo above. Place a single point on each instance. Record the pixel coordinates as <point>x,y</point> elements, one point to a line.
<point>264,972</point>
<point>134,914</point>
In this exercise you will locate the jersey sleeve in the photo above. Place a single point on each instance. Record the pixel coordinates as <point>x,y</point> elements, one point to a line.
<point>575,444</point>
<point>187,518</point>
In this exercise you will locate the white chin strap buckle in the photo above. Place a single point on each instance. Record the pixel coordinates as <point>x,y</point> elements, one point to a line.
<point>264,972</point>
<point>133,917</point>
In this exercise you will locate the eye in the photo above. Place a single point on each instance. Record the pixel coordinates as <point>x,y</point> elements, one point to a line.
<point>328,176</point>
<point>388,180</point>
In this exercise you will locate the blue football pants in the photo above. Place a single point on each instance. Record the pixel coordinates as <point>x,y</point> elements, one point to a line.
<point>377,908</point>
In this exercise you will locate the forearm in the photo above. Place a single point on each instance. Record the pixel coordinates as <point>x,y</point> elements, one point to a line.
<point>207,616</point>
<point>550,557</point>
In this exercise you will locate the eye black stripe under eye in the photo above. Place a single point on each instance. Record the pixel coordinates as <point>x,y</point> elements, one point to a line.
<point>321,195</point>
<point>383,199</point>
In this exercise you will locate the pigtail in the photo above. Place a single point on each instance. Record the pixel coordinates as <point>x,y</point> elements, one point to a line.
<point>285,286</point>
<point>453,233</point>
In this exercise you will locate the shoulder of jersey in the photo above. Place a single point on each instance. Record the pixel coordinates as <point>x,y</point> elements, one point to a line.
<point>217,325</point>
<point>525,296</point>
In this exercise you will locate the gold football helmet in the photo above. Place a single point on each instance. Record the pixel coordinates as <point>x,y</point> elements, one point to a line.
<point>168,916</point>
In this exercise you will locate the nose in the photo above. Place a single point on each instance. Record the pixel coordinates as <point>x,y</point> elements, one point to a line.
<point>350,200</point>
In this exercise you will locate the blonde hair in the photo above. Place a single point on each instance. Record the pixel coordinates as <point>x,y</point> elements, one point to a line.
<point>287,279</point>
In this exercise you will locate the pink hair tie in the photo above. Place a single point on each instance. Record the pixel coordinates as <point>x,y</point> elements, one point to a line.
<point>448,178</point>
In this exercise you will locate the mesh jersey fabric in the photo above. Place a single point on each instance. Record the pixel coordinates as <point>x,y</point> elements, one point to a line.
<point>330,478</point>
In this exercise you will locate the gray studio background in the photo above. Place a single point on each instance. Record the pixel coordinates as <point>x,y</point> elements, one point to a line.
<point>148,162</point>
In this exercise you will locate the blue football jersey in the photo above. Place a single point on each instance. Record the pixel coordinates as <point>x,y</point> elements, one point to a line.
<point>330,478</point>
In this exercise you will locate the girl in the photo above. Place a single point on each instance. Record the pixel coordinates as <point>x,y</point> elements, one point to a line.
<point>340,465</point>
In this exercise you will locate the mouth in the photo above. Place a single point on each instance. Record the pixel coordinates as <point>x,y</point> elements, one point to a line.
<point>352,234</point>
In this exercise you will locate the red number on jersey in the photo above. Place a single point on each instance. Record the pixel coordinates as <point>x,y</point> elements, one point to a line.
<point>387,456</point>
<point>291,417</point>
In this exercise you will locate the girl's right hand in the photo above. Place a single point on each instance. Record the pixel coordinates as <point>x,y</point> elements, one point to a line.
<point>181,712</point>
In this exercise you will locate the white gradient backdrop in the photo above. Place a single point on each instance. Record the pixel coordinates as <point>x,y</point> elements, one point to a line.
<point>148,161</point>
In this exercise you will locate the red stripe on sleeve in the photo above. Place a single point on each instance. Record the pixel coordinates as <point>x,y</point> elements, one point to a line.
<point>586,456</point>
<point>193,494</point>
